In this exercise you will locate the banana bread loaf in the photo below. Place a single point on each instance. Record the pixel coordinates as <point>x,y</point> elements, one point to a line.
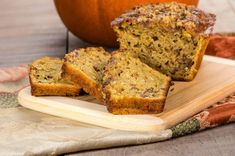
<point>45,78</point>
<point>132,87</point>
<point>170,37</point>
<point>85,67</point>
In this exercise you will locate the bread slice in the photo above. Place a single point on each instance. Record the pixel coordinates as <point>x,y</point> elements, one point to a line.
<point>45,78</point>
<point>132,87</point>
<point>170,37</point>
<point>85,67</point>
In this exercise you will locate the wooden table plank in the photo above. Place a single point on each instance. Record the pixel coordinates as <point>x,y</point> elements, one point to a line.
<point>28,30</point>
<point>75,43</point>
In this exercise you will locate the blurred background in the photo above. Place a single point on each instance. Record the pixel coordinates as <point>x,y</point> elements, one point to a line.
<point>31,29</point>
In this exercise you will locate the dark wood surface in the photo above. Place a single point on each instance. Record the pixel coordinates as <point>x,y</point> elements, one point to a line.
<point>30,29</point>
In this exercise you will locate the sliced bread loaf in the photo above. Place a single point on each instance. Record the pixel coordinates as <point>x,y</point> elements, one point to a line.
<point>45,78</point>
<point>132,87</point>
<point>170,37</point>
<point>85,67</point>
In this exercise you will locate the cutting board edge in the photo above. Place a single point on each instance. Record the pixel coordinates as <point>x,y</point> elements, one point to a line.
<point>168,118</point>
<point>55,109</point>
<point>165,124</point>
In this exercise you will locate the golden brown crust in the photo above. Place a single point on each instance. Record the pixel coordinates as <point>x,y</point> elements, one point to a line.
<point>47,89</point>
<point>51,89</point>
<point>174,17</point>
<point>45,57</point>
<point>198,59</point>
<point>134,105</point>
<point>70,72</point>
<point>85,66</point>
<point>171,16</point>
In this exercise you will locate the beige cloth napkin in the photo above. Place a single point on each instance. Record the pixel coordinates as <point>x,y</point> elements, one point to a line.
<point>26,132</point>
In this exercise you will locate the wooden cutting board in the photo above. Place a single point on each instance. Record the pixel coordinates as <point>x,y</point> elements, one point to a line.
<point>215,80</point>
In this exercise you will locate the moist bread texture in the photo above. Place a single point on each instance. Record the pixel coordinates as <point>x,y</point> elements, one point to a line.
<point>45,78</point>
<point>85,67</point>
<point>169,37</point>
<point>132,87</point>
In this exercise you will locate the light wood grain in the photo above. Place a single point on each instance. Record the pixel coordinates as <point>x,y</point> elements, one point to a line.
<point>187,99</point>
<point>28,30</point>
<point>86,112</point>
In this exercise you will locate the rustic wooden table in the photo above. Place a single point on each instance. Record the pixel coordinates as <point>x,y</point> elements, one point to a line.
<point>31,29</point>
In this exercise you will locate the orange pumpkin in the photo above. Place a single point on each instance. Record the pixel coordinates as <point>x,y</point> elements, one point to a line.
<point>90,19</point>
